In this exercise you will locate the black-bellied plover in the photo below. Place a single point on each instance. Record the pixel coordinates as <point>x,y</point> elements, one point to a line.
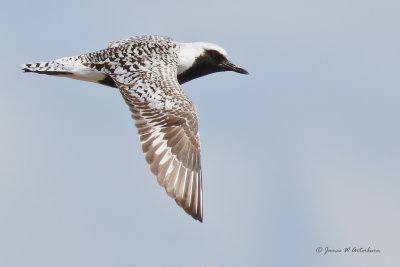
<point>148,71</point>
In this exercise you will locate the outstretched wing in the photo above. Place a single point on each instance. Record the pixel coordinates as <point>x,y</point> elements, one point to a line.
<point>167,124</point>
<point>145,70</point>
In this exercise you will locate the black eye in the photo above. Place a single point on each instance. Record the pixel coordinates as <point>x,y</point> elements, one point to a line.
<point>215,55</point>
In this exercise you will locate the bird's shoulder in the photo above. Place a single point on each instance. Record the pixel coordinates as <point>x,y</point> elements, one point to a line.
<point>147,41</point>
<point>152,48</point>
<point>132,56</point>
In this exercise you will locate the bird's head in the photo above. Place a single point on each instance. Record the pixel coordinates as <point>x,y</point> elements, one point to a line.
<point>199,59</point>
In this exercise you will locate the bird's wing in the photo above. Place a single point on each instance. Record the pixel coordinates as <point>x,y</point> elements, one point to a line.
<point>139,39</point>
<point>167,124</point>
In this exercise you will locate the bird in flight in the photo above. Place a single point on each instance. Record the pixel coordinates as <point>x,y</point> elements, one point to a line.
<point>148,71</point>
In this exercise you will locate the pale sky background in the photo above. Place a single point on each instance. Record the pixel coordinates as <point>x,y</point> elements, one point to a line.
<point>302,153</point>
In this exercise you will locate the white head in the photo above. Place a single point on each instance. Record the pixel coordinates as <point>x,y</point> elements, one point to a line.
<point>199,59</point>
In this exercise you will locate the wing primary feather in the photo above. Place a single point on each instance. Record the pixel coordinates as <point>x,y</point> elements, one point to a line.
<point>165,118</point>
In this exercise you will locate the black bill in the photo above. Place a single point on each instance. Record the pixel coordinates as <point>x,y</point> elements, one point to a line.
<point>229,66</point>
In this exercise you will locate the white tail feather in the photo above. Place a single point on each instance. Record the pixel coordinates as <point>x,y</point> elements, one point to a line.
<point>70,67</point>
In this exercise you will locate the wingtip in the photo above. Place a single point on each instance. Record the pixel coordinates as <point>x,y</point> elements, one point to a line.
<point>197,217</point>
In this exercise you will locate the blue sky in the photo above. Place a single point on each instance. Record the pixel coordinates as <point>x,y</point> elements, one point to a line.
<point>302,153</point>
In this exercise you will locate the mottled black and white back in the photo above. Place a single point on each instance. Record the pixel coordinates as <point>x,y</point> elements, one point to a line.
<point>148,71</point>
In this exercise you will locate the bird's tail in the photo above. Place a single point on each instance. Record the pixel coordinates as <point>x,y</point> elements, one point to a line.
<point>67,65</point>
<point>71,67</point>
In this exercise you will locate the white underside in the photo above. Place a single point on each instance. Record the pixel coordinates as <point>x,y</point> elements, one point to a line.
<point>86,75</point>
